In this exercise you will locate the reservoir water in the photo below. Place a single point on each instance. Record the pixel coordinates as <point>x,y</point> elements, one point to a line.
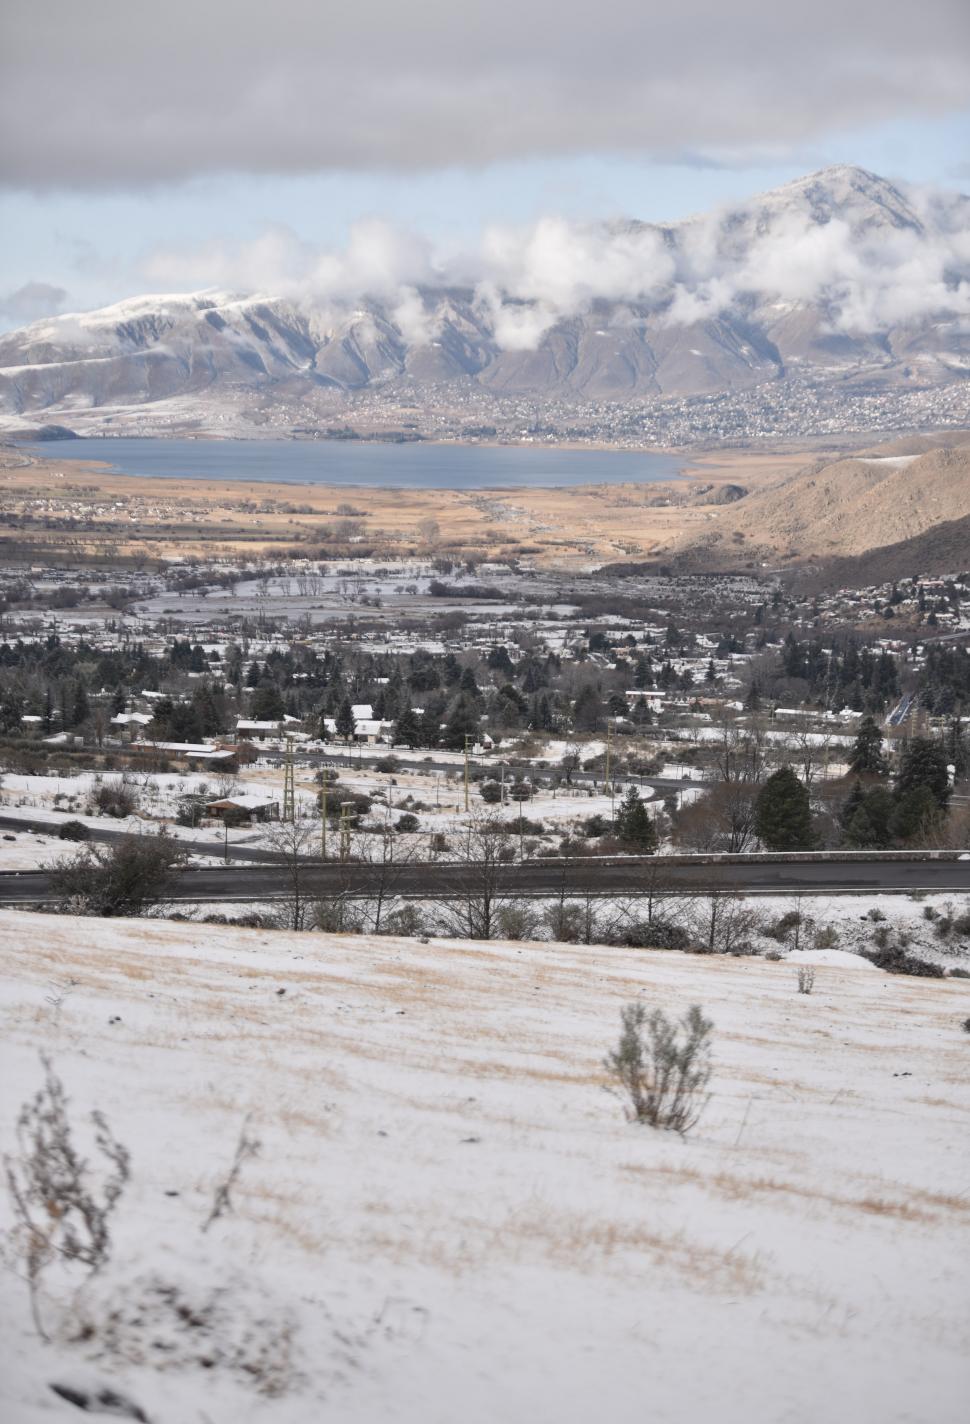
<point>338,462</point>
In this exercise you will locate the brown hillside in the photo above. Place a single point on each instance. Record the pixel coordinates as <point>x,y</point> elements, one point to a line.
<point>944,549</point>
<point>848,507</point>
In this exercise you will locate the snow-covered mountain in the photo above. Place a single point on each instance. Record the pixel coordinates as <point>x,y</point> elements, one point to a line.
<point>836,276</point>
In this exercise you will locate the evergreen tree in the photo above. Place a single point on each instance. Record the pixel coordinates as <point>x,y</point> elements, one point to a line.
<point>462,722</point>
<point>588,709</point>
<point>851,804</point>
<point>346,726</point>
<point>868,828</point>
<point>783,817</point>
<point>267,705</point>
<point>408,729</point>
<point>467,683</point>
<point>924,764</point>
<point>80,708</point>
<point>634,824</point>
<point>866,758</point>
<point>918,814</point>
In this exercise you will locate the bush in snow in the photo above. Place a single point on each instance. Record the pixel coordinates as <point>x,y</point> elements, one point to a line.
<point>662,1068</point>
<point>61,1211</point>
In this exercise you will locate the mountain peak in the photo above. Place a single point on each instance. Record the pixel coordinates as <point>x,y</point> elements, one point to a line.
<point>858,196</point>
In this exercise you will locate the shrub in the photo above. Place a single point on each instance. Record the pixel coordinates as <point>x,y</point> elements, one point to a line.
<point>966,1025</point>
<point>517,921</point>
<point>896,961</point>
<point>73,831</point>
<point>658,933</point>
<point>783,926</point>
<point>662,1068</point>
<point>491,792</point>
<point>59,1210</point>
<point>806,978</point>
<point>125,878</point>
<point>960,973</point>
<point>826,937</point>
<point>407,822</point>
<point>115,799</point>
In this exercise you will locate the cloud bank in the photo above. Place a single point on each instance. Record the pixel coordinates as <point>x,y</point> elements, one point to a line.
<point>111,93</point>
<point>870,257</point>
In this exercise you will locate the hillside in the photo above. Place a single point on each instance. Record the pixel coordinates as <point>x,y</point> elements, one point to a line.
<point>623,312</point>
<point>845,508</point>
<point>449,1217</point>
<point>944,549</point>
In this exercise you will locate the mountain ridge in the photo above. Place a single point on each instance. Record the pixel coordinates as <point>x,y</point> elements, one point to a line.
<point>726,303</point>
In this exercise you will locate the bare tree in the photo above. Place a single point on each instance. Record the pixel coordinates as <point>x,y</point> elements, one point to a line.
<point>723,923</point>
<point>295,843</point>
<point>484,851</point>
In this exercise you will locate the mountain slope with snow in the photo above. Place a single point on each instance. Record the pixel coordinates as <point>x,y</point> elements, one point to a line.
<point>837,277</point>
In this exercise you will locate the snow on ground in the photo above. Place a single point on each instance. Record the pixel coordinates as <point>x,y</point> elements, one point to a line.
<point>450,1218</point>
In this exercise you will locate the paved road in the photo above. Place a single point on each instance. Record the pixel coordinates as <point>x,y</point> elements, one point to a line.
<point>543,878</point>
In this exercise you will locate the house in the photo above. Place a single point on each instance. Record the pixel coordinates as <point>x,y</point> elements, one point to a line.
<point>247,806</point>
<point>192,753</point>
<point>248,730</point>
<point>369,730</point>
<point>130,724</point>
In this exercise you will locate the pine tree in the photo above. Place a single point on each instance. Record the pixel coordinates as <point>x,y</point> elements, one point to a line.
<point>408,730</point>
<point>924,764</point>
<point>81,708</point>
<point>783,817</point>
<point>918,814</point>
<point>588,710</point>
<point>462,722</point>
<point>346,726</point>
<point>634,824</point>
<point>866,758</point>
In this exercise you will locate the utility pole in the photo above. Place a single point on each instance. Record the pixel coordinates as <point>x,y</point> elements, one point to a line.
<point>345,810</point>
<point>323,813</point>
<point>289,783</point>
<point>468,738</point>
<point>609,784</point>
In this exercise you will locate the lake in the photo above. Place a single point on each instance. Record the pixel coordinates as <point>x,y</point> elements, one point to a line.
<point>337,462</point>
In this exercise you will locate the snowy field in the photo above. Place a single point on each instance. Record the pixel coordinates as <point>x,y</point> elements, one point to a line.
<point>450,1219</point>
